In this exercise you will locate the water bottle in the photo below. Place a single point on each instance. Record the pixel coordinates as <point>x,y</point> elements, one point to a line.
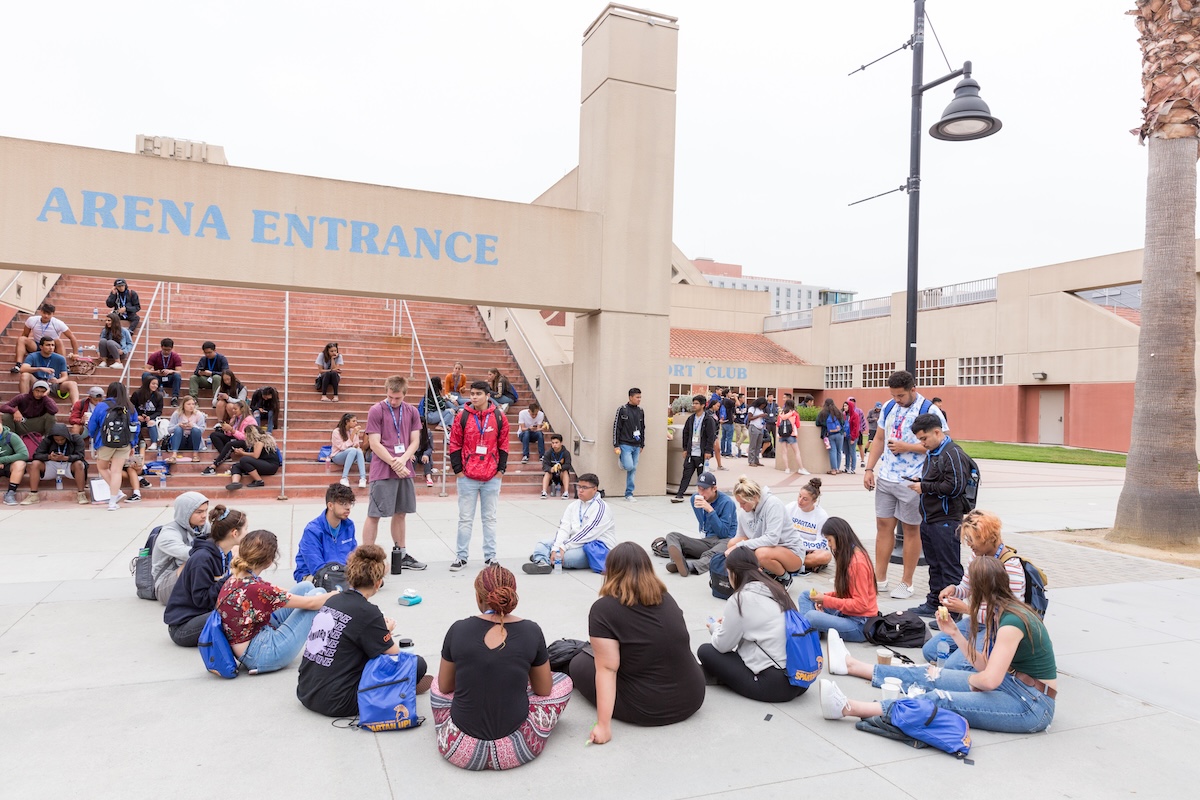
<point>95,313</point>
<point>397,560</point>
<point>943,652</point>
<point>162,479</point>
<point>558,566</point>
<point>57,480</point>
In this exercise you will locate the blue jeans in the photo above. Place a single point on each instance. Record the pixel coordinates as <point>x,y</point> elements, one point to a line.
<point>270,419</point>
<point>527,437</point>
<point>956,659</point>
<point>835,450</point>
<point>850,628</point>
<point>726,438</point>
<point>348,458</point>
<point>169,384</point>
<point>573,558</point>
<point>193,439</point>
<point>274,647</point>
<point>1012,707</point>
<point>630,454</point>
<point>487,493</point>
<point>444,418</point>
<point>851,453</point>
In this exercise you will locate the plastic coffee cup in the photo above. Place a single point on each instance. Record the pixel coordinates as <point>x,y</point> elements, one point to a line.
<point>883,656</point>
<point>891,691</point>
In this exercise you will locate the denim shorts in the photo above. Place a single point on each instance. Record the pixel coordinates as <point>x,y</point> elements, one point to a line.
<point>787,439</point>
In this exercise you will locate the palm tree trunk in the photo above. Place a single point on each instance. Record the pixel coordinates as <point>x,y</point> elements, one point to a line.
<point>1160,502</point>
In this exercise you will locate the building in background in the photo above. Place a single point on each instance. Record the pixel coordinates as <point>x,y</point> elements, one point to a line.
<point>786,295</point>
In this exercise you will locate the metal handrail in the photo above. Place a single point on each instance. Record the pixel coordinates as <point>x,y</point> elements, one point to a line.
<point>424,391</point>
<point>141,330</point>
<point>550,383</point>
<point>957,294</point>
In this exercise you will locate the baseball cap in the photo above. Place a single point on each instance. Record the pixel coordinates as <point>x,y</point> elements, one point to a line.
<point>41,385</point>
<point>95,391</point>
<point>850,399</point>
<point>879,405</point>
<point>120,282</point>
<point>707,480</point>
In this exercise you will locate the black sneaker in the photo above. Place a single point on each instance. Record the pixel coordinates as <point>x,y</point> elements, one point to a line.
<point>142,482</point>
<point>175,400</point>
<point>15,369</point>
<point>408,562</point>
<point>232,487</point>
<point>136,498</point>
<point>924,610</point>
<point>209,470</point>
<point>256,484</point>
<point>457,565</point>
<point>539,568</point>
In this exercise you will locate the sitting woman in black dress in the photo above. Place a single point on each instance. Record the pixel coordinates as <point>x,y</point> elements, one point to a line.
<point>643,671</point>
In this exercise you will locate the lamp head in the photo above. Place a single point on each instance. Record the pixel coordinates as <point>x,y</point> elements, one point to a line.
<point>967,117</point>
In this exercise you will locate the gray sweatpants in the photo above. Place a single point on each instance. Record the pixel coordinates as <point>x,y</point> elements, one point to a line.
<point>697,552</point>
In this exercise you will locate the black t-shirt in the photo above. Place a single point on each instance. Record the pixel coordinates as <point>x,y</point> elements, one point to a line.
<point>347,632</point>
<point>491,697</point>
<point>659,681</point>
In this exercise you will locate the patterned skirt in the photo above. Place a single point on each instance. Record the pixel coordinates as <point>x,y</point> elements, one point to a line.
<point>519,747</point>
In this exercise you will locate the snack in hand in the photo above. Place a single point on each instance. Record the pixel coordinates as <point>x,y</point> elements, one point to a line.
<point>943,613</point>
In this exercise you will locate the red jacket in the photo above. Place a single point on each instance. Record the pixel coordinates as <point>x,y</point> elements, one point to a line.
<point>854,419</point>
<point>472,429</point>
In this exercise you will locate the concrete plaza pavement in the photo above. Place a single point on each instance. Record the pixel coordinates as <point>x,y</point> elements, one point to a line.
<point>96,701</point>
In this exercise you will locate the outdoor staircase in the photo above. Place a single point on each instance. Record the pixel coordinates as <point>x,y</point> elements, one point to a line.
<point>248,326</point>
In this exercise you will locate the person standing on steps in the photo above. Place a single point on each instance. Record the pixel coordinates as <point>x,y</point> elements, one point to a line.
<point>629,437</point>
<point>479,456</point>
<point>394,436</point>
<point>898,456</point>
<point>699,441</point>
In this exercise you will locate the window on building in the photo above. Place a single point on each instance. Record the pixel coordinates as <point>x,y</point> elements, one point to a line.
<point>808,294</point>
<point>777,291</point>
<point>875,375</point>
<point>839,377</point>
<point>753,392</point>
<point>789,292</point>
<point>981,371</point>
<point>788,305</point>
<point>931,372</point>
<point>678,390</point>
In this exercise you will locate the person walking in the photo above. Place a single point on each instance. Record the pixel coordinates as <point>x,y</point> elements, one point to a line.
<point>699,440</point>
<point>629,437</point>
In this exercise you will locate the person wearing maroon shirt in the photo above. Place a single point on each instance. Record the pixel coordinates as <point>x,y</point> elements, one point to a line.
<point>30,412</point>
<point>165,364</point>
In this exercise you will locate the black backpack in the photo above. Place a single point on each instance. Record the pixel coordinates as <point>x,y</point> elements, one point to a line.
<point>140,567</point>
<point>970,495</point>
<point>898,629</point>
<point>718,577</point>
<point>785,428</point>
<point>114,432</point>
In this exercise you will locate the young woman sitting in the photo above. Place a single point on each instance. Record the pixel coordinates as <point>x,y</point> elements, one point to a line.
<point>331,667</point>
<point>329,362</point>
<point>981,533</point>
<point>264,404</point>
<point>765,527</point>
<point>495,700</point>
<point>808,518</point>
<point>115,343</point>
<point>502,392</point>
<point>852,602</point>
<point>439,409</point>
<point>257,458</point>
<point>643,671</point>
<point>748,648</point>
<point>229,435</point>
<point>148,401</point>
<point>346,449</point>
<point>199,584</point>
<point>266,626</point>
<point>1014,683</point>
<point>186,428</point>
<point>228,390</point>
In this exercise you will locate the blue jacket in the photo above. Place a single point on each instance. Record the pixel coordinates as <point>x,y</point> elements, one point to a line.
<point>96,422</point>
<point>721,521</point>
<point>199,584</point>
<point>319,545</point>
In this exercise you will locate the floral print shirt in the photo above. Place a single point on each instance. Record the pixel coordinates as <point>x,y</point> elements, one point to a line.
<point>246,605</point>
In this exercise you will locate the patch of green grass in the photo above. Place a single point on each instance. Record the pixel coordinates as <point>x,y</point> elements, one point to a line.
<point>1048,455</point>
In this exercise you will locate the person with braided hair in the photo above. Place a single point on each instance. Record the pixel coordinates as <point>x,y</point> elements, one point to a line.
<point>495,700</point>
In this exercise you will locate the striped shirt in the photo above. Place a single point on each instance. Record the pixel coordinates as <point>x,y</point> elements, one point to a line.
<point>585,522</point>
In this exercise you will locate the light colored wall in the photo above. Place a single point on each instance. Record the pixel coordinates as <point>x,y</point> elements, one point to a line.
<point>34,287</point>
<point>710,309</point>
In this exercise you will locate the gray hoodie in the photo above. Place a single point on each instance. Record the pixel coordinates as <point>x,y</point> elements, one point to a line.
<point>175,540</point>
<point>769,525</point>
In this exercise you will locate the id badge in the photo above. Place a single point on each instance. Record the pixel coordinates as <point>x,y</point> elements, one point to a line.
<point>399,449</point>
<point>481,450</point>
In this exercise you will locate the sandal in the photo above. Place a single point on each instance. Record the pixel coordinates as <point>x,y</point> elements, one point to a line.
<point>335,399</point>
<point>324,399</point>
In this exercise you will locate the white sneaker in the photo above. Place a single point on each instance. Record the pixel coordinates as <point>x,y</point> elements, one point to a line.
<point>833,700</point>
<point>630,498</point>
<point>881,586</point>
<point>902,591</point>
<point>837,653</point>
<point>787,472</point>
<point>362,483</point>
<point>120,496</point>
<point>112,506</point>
<point>344,481</point>
<point>803,472</point>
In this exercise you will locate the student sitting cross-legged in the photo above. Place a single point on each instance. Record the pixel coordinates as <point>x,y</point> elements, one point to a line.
<point>588,519</point>
<point>195,593</point>
<point>332,665</point>
<point>330,537</point>
<point>749,646</point>
<point>495,700</point>
<point>844,611</point>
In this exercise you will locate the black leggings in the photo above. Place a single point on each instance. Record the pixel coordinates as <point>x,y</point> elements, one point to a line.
<point>187,634</point>
<point>769,686</point>
<point>328,381</point>
<point>223,442</point>
<point>248,464</point>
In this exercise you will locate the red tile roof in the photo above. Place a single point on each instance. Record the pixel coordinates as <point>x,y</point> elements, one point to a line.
<point>1133,315</point>
<point>722,346</point>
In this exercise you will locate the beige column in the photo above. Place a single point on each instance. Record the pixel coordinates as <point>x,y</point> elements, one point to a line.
<point>627,173</point>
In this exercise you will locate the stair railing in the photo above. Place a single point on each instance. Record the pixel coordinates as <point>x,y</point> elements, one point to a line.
<point>542,369</point>
<point>143,330</point>
<point>284,408</point>
<point>425,390</point>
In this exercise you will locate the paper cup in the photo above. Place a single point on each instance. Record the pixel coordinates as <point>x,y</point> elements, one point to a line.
<point>891,691</point>
<point>883,656</point>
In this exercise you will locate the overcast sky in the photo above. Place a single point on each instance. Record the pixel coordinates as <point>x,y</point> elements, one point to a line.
<point>773,139</point>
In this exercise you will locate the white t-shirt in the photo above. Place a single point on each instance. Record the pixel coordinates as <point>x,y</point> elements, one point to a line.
<point>38,330</point>
<point>808,524</point>
<point>325,365</point>
<point>529,421</point>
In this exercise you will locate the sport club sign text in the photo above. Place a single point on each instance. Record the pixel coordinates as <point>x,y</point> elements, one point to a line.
<point>269,228</point>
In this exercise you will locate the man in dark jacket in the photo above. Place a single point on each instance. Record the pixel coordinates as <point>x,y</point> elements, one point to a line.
<point>125,302</point>
<point>943,480</point>
<point>60,453</point>
<point>629,437</point>
<point>699,438</point>
<point>208,370</point>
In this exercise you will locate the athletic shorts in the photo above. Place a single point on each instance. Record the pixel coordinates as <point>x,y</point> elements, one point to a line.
<point>392,496</point>
<point>894,499</point>
<point>109,453</point>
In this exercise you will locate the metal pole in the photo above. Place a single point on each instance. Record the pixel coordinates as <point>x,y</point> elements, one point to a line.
<point>287,344</point>
<point>914,187</point>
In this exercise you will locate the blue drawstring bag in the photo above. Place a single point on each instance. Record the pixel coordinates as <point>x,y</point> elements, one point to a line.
<point>215,650</point>
<point>387,693</point>
<point>924,720</point>
<point>804,656</point>
<point>325,453</point>
<point>597,554</point>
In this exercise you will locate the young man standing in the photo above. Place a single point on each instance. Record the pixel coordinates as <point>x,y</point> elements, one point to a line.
<point>556,467</point>
<point>940,487</point>
<point>629,437</point>
<point>330,537</point>
<point>716,514</point>
<point>699,438</point>
<point>39,326</point>
<point>208,370</point>
<point>394,434</point>
<point>728,416</point>
<point>872,425</point>
<point>769,427</point>
<point>740,436</point>
<point>48,366</point>
<point>587,519</point>
<point>165,364</point>
<point>898,460</point>
<point>479,456</point>
<point>125,302</point>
